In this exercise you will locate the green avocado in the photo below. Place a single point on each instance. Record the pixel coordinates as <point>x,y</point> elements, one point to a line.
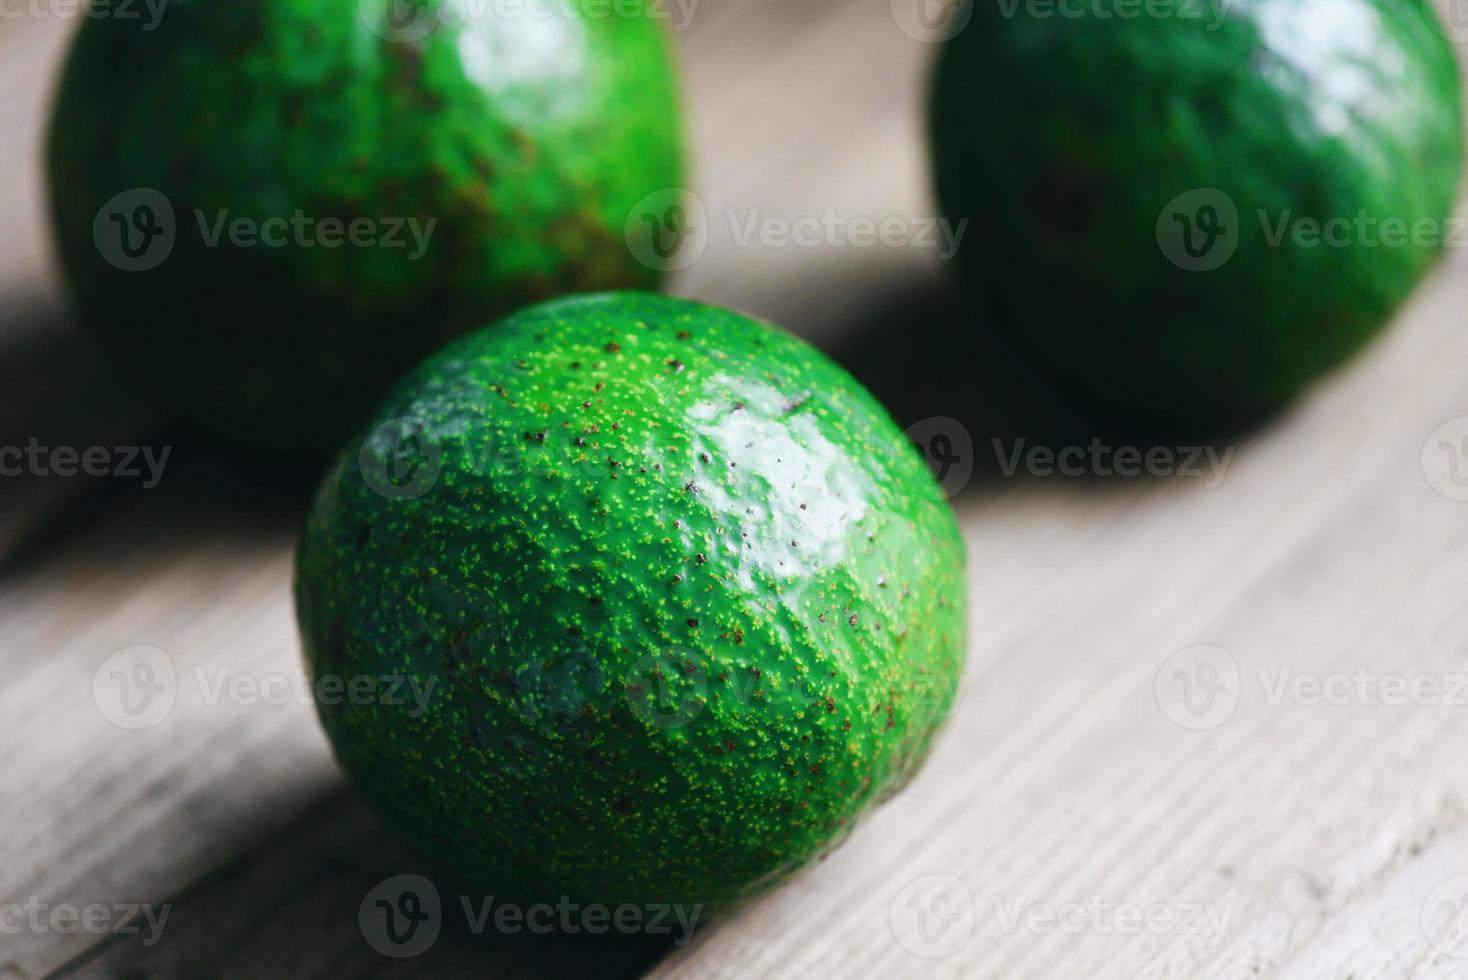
<point>686,600</point>
<point>1194,208</point>
<point>273,208</point>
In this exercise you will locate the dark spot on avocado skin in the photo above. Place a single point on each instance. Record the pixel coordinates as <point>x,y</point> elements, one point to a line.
<point>631,654</point>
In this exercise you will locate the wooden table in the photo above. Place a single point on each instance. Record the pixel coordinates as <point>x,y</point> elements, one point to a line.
<point>1077,819</point>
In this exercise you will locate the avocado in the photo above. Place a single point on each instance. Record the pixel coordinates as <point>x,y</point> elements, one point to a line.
<point>1194,209</point>
<point>686,600</point>
<point>273,208</point>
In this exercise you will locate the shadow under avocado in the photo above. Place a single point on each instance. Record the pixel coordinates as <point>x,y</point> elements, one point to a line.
<point>928,353</point>
<point>63,392</point>
<point>327,892</point>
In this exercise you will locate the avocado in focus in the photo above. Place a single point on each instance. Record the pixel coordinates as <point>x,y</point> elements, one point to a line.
<point>687,601</point>
<point>274,208</point>
<point>1195,210</point>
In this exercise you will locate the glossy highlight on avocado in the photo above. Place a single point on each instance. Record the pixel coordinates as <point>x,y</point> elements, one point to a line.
<point>493,151</point>
<point>1127,180</point>
<point>688,601</point>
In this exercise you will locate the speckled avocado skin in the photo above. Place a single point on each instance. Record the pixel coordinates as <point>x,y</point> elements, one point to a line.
<point>1063,139</point>
<point>528,139</point>
<point>691,603</point>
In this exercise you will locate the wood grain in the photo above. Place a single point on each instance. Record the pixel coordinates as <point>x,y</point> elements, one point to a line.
<point>1316,832</point>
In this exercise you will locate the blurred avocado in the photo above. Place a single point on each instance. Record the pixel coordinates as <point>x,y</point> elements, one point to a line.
<point>272,208</point>
<point>1194,211</point>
